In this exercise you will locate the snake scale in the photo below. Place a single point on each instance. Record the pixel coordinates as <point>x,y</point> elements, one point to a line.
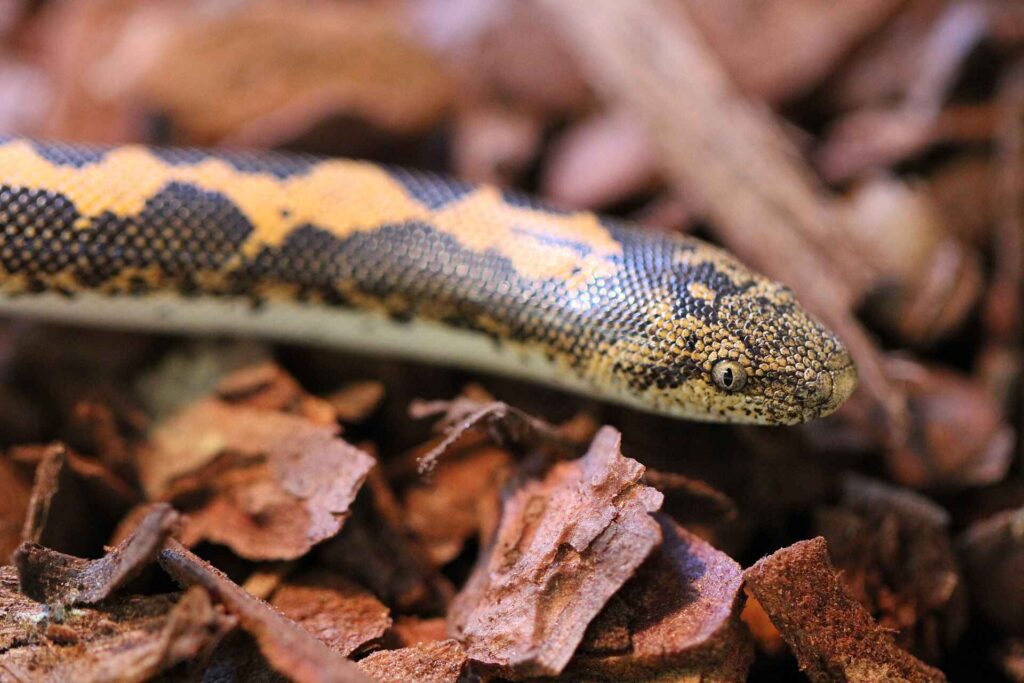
<point>356,255</point>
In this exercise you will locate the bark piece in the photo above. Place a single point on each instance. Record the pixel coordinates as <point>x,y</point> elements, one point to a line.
<point>440,662</point>
<point>578,174</point>
<point>376,550</point>
<point>271,485</point>
<point>128,639</point>
<point>454,504</point>
<point>565,545</point>
<point>356,402</point>
<point>680,612</point>
<point>894,549</point>
<point>409,631</point>
<point>265,386</point>
<point>55,578</point>
<point>288,647</point>
<point>72,499</point>
<point>345,617</point>
<point>831,634</point>
<point>504,423</point>
<point>16,485</point>
<point>993,557</point>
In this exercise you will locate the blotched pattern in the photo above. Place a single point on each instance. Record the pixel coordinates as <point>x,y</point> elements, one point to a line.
<point>641,317</point>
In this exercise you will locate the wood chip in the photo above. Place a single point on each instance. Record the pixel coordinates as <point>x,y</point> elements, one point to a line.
<point>565,545</point>
<point>832,636</point>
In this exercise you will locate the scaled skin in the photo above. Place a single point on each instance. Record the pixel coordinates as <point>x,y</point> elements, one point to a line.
<point>619,313</point>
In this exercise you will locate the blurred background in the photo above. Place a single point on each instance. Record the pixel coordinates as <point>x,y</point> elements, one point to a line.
<point>870,154</point>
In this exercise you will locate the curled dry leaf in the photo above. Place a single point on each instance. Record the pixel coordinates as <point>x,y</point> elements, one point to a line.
<point>680,611</point>
<point>831,634</point>
<point>897,558</point>
<point>288,647</point>
<point>993,555</point>
<point>269,485</point>
<point>130,638</point>
<point>439,662</point>
<point>564,546</point>
<point>55,578</point>
<point>342,615</point>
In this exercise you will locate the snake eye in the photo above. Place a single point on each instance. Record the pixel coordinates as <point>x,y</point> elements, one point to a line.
<point>729,375</point>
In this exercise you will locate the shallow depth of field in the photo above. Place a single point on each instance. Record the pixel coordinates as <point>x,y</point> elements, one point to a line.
<point>177,508</point>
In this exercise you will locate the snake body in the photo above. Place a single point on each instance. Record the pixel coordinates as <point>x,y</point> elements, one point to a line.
<point>354,254</point>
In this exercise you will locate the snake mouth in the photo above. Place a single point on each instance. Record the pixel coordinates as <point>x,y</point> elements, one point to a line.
<point>842,381</point>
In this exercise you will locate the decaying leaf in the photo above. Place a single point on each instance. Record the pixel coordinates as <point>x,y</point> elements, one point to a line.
<point>565,545</point>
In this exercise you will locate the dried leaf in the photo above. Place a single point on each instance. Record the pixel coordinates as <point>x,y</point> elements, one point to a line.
<point>565,545</point>
<point>832,636</point>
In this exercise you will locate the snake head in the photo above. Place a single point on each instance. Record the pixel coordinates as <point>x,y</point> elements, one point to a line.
<point>721,343</point>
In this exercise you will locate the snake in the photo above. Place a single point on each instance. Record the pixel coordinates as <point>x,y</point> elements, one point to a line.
<point>357,255</point>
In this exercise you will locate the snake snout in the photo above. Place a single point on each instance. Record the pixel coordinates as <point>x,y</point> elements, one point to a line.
<point>836,382</point>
